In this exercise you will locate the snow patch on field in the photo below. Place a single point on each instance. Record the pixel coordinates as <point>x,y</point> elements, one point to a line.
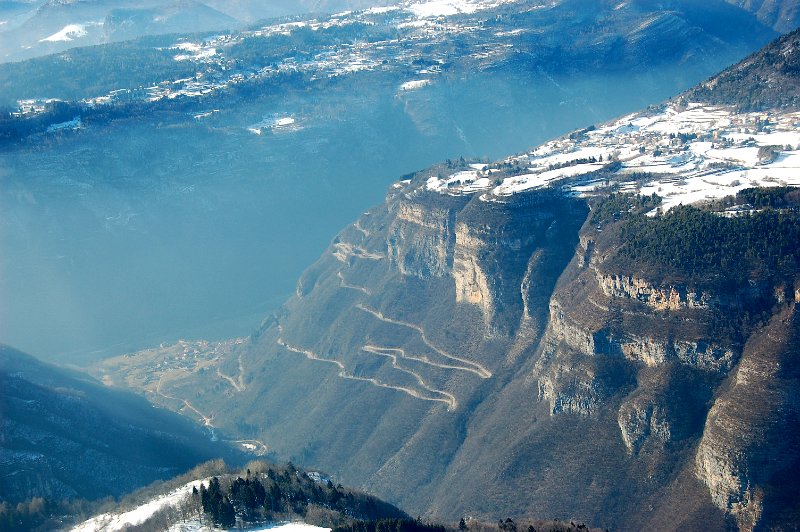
<point>67,33</point>
<point>284,122</point>
<point>521,183</point>
<point>195,526</point>
<point>275,124</point>
<point>414,84</point>
<point>438,8</point>
<point>196,52</point>
<point>110,522</point>
<point>446,8</point>
<point>458,180</point>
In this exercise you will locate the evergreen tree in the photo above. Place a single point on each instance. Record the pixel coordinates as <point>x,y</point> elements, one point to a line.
<point>226,514</point>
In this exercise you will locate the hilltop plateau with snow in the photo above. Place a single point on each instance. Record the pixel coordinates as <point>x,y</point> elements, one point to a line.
<point>684,153</point>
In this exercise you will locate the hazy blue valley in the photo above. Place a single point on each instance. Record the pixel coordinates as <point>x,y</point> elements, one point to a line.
<point>505,265</point>
<point>212,224</point>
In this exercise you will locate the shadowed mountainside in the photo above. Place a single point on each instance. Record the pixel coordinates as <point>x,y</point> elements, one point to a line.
<point>66,436</point>
<point>783,15</point>
<point>765,80</point>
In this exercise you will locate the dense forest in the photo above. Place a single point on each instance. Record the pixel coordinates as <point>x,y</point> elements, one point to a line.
<point>504,525</point>
<point>710,249</point>
<point>744,240</point>
<point>621,205</point>
<point>390,525</point>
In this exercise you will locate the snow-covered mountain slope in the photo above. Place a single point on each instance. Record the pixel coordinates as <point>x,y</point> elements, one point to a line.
<point>177,503</point>
<point>196,526</point>
<point>260,497</point>
<point>112,522</point>
<point>683,153</point>
<point>185,518</point>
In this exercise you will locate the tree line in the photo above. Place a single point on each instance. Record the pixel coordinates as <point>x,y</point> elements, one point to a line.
<point>278,494</point>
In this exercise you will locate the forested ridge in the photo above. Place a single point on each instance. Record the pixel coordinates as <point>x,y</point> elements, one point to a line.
<point>724,249</point>
<point>271,493</point>
<point>765,80</point>
<point>752,235</point>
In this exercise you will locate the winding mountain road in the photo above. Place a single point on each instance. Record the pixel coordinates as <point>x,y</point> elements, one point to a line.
<point>469,365</point>
<point>343,373</point>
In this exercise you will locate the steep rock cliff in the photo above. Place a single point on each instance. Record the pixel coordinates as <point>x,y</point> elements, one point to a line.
<point>508,347</point>
<point>449,340</point>
<point>749,446</point>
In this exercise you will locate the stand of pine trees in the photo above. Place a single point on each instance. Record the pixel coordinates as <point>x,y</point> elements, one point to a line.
<point>283,494</point>
<point>216,504</point>
<point>390,525</point>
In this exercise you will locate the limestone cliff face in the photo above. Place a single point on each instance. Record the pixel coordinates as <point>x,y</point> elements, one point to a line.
<point>640,422</point>
<point>472,282</point>
<point>749,438</point>
<point>466,239</point>
<point>666,298</point>
<point>658,338</point>
<point>595,320</point>
<point>420,239</point>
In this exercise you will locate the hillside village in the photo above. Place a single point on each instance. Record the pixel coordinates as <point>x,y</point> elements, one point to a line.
<point>397,38</point>
<point>683,152</point>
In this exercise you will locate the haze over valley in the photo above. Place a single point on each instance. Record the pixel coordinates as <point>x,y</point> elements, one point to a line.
<point>198,188</point>
<point>504,265</point>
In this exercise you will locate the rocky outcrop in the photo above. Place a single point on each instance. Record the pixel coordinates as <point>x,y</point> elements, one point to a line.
<point>472,282</point>
<point>639,422</point>
<point>568,388</point>
<point>662,299</point>
<point>649,350</point>
<point>437,236</point>
<point>420,240</point>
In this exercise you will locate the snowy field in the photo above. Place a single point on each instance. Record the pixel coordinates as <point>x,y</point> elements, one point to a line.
<point>110,522</point>
<point>67,33</point>
<point>195,526</point>
<point>685,155</point>
<point>440,8</point>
